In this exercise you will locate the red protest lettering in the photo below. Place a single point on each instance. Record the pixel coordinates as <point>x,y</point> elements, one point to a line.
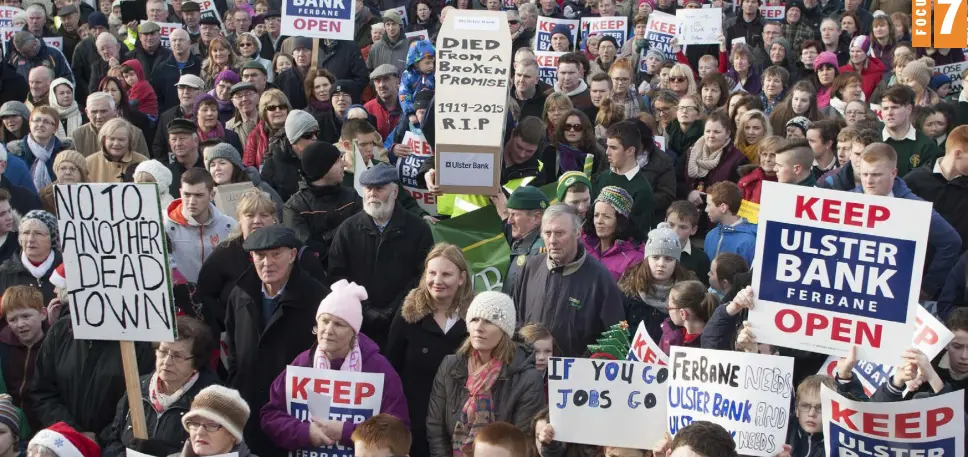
<point>925,334</point>
<point>838,212</point>
<point>937,418</point>
<point>838,329</point>
<point>363,390</point>
<point>842,416</point>
<point>911,425</point>
<point>903,423</point>
<point>317,25</point>
<point>547,61</point>
<point>606,25</point>
<point>299,387</point>
<point>876,424</point>
<point>342,392</point>
<point>664,27</point>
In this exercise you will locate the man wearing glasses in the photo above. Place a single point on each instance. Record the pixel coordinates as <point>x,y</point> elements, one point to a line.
<point>40,146</point>
<point>246,102</point>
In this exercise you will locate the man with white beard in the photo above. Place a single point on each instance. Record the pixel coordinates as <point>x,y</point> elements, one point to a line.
<point>382,249</point>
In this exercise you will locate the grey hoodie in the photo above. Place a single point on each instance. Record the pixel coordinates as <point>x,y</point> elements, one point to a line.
<point>191,242</point>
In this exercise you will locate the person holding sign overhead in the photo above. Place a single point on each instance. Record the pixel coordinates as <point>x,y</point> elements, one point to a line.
<point>339,346</point>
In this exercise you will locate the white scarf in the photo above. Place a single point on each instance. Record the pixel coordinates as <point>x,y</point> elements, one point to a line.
<point>38,171</point>
<point>72,114</point>
<point>41,270</point>
<point>353,361</point>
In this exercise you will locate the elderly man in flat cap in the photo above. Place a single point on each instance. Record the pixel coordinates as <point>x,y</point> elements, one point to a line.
<point>382,249</point>
<point>269,320</point>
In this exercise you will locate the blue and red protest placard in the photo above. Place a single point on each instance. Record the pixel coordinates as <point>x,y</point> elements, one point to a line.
<point>548,66</point>
<point>615,27</point>
<point>6,15</point>
<point>543,28</point>
<point>838,269</point>
<point>925,427</point>
<point>331,19</point>
<point>354,397</point>
<point>659,32</point>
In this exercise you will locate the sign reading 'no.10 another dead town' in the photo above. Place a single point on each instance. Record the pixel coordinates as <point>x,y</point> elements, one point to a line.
<point>473,70</point>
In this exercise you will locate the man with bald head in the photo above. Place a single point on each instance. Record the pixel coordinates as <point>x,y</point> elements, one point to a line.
<point>109,53</point>
<point>38,82</point>
<point>167,72</point>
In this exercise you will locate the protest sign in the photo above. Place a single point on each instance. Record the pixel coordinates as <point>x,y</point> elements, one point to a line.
<point>615,27</point>
<point>116,262</point>
<point>773,12</point>
<point>227,197</point>
<point>700,26</point>
<point>473,50</point>
<point>588,397</point>
<point>747,393</point>
<point>418,35</point>
<point>659,32</point>
<point>402,11</point>
<point>331,19</point>
<point>953,71</point>
<point>838,269</point>
<point>6,34</point>
<point>542,31</point>
<point>749,211</point>
<point>929,427</point>
<point>930,336</point>
<point>644,348</point>
<point>56,42</point>
<point>6,15</point>
<point>165,31</point>
<point>548,66</point>
<point>660,142</point>
<point>353,396</point>
<point>208,9</point>
<point>409,167</point>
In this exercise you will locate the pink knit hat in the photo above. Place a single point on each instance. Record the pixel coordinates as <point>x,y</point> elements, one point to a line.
<point>345,302</point>
<point>827,58</point>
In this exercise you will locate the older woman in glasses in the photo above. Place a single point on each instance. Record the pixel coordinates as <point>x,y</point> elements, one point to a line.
<point>215,423</point>
<point>181,372</point>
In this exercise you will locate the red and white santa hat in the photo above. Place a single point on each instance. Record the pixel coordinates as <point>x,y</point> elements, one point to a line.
<point>57,278</point>
<point>64,441</point>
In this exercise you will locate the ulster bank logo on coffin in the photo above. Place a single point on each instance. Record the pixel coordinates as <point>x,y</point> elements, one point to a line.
<point>838,269</point>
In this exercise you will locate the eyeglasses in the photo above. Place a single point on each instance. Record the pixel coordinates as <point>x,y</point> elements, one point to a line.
<point>677,79</point>
<point>246,45</point>
<point>162,354</point>
<point>621,80</point>
<point>40,120</point>
<point>271,108</point>
<point>686,108</point>
<point>210,427</point>
<point>808,408</point>
<point>573,127</point>
<point>309,135</point>
<point>242,96</point>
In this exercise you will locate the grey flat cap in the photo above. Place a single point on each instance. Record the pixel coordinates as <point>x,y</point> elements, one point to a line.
<point>379,175</point>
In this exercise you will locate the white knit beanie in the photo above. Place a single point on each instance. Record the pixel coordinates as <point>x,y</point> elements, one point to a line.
<point>496,308</point>
<point>160,172</point>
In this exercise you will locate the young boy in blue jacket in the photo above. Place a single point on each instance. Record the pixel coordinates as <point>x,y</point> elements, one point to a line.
<point>732,232</point>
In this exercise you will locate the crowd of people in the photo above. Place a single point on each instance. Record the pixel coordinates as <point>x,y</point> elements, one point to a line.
<point>623,184</point>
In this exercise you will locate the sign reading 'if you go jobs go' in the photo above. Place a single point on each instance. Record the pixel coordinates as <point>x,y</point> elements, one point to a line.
<point>948,27</point>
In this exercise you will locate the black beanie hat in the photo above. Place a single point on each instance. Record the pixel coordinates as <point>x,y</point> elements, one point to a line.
<point>317,159</point>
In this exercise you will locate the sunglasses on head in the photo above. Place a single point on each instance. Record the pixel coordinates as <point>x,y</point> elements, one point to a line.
<point>271,108</point>
<point>573,127</point>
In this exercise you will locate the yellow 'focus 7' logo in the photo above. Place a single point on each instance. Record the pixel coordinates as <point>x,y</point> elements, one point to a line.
<point>950,24</point>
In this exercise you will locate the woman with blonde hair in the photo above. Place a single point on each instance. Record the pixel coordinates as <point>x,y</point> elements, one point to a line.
<point>117,142</point>
<point>428,328</point>
<point>556,106</point>
<point>682,80</point>
<point>490,379</point>
<point>221,57</point>
<point>274,107</point>
<point>751,127</point>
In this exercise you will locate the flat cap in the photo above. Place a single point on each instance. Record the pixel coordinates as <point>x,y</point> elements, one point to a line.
<point>149,27</point>
<point>527,198</point>
<point>239,87</point>
<point>191,80</point>
<point>271,237</point>
<point>383,70</point>
<point>301,42</point>
<point>67,10</point>
<point>14,108</point>
<point>190,5</point>
<point>422,99</point>
<point>271,14</point>
<point>253,65</point>
<point>209,20</point>
<point>181,125</point>
<point>379,175</point>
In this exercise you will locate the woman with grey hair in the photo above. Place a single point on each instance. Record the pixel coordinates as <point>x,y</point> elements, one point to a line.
<point>39,255</point>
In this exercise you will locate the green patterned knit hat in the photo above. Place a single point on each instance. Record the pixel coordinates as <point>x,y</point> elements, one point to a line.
<point>617,197</point>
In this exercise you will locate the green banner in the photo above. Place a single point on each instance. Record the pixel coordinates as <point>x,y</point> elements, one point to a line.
<point>479,234</point>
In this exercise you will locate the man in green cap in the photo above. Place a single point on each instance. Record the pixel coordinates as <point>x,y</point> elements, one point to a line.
<point>521,214</point>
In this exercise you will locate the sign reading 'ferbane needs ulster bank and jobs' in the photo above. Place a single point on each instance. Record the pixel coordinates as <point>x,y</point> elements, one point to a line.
<point>473,76</point>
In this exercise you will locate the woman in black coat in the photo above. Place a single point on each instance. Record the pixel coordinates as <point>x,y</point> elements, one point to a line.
<point>427,329</point>
<point>39,246</point>
<point>181,372</point>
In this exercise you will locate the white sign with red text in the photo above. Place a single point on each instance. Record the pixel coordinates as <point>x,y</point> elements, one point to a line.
<point>644,349</point>
<point>332,19</point>
<point>6,15</point>
<point>165,31</point>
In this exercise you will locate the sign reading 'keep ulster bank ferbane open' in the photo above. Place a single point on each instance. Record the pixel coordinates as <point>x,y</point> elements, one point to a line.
<point>473,76</point>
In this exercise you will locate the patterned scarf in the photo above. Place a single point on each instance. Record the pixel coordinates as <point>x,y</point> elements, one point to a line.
<point>216,133</point>
<point>478,410</point>
<point>160,402</point>
<point>353,362</point>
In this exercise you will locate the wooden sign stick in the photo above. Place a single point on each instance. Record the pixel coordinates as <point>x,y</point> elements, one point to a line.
<point>132,384</point>
<point>315,61</point>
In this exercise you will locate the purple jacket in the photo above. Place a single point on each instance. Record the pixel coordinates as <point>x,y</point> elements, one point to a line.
<point>618,258</point>
<point>673,335</point>
<point>292,434</point>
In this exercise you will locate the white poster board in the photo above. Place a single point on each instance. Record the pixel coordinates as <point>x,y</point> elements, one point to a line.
<point>56,42</point>
<point>6,15</point>
<point>165,29</point>
<point>353,396</point>
<point>319,19</point>
<point>644,349</point>
<point>588,398</point>
<point>929,427</point>
<point>699,26</point>
<point>834,270</point>
<point>116,262</point>
<point>548,66</point>
<point>659,32</point>
<point>542,31</point>
<point>409,169</point>
<point>748,394</point>
<point>615,27</point>
<point>953,71</point>
<point>773,12</point>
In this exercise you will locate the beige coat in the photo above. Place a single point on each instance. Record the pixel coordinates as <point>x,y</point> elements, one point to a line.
<point>85,141</point>
<point>100,169</point>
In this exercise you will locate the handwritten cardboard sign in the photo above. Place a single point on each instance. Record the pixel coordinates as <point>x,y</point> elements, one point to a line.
<point>227,197</point>
<point>116,262</point>
<point>700,26</point>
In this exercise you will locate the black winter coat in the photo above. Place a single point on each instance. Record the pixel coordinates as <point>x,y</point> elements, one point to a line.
<point>416,346</point>
<point>222,269</point>
<point>160,149</point>
<point>166,434</point>
<point>330,126</point>
<point>149,62</point>
<point>342,59</point>
<point>13,273</point>
<point>22,199</point>
<point>388,263</point>
<point>85,53</point>
<point>259,348</point>
<point>75,381</point>
<point>166,75</point>
<point>661,174</point>
<point>281,166</point>
<point>13,87</point>
<point>315,212</point>
<point>517,396</point>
